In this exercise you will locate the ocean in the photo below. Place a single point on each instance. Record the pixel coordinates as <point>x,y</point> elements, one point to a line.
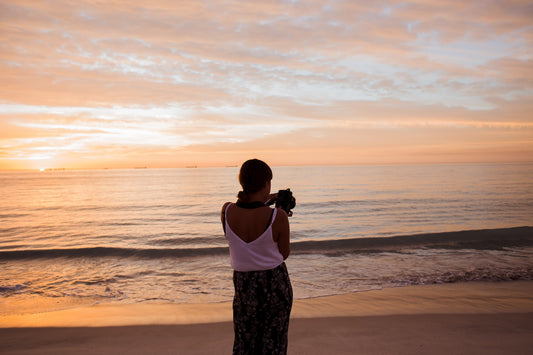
<point>70,237</point>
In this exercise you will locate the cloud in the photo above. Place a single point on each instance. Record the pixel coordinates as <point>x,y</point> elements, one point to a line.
<point>167,75</point>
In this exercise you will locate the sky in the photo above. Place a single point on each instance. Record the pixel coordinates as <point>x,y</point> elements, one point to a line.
<point>165,83</point>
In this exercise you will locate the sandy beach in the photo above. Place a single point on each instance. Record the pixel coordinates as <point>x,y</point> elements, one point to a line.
<point>461,318</point>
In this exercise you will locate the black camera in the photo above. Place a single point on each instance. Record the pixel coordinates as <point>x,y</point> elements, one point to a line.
<point>285,200</point>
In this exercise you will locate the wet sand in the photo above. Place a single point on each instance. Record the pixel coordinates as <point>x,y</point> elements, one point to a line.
<point>462,318</point>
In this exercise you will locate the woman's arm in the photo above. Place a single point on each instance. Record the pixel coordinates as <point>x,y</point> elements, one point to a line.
<point>283,233</point>
<point>223,216</point>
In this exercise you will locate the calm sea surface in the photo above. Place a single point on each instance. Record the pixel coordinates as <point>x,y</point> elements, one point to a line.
<point>154,234</point>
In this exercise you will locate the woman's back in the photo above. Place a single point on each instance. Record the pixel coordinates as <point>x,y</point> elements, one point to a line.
<point>257,250</point>
<point>248,224</point>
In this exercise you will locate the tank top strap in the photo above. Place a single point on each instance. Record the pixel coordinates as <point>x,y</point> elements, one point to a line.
<point>272,217</point>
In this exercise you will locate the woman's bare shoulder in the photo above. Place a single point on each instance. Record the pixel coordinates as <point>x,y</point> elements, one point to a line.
<point>224,206</point>
<point>281,217</point>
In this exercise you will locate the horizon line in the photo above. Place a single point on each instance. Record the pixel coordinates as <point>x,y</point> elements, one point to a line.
<point>56,169</point>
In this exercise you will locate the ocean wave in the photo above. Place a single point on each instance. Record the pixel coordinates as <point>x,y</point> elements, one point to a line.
<point>384,203</point>
<point>471,239</point>
<point>170,240</point>
<point>477,274</point>
<point>13,215</point>
<point>12,289</point>
<point>486,239</point>
<point>10,230</point>
<point>152,253</point>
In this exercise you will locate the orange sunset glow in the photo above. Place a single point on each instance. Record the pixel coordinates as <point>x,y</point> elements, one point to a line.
<point>166,83</point>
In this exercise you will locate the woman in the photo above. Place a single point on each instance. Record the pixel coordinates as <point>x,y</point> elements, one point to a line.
<point>259,242</point>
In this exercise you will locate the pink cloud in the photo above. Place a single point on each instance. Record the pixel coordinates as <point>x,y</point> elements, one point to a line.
<point>236,68</point>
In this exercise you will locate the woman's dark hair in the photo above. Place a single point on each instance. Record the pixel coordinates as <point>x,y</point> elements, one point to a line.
<point>253,177</point>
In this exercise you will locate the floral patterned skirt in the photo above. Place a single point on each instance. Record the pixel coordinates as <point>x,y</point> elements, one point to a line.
<point>261,310</point>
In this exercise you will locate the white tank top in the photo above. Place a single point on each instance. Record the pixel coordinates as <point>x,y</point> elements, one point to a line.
<point>260,254</point>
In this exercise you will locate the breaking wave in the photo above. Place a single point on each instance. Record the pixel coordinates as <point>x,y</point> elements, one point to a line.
<point>487,239</point>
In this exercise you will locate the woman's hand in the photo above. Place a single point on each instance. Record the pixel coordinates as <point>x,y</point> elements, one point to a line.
<point>271,199</point>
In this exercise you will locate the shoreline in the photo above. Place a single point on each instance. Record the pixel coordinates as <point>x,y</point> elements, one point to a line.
<point>470,318</point>
<point>474,297</point>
